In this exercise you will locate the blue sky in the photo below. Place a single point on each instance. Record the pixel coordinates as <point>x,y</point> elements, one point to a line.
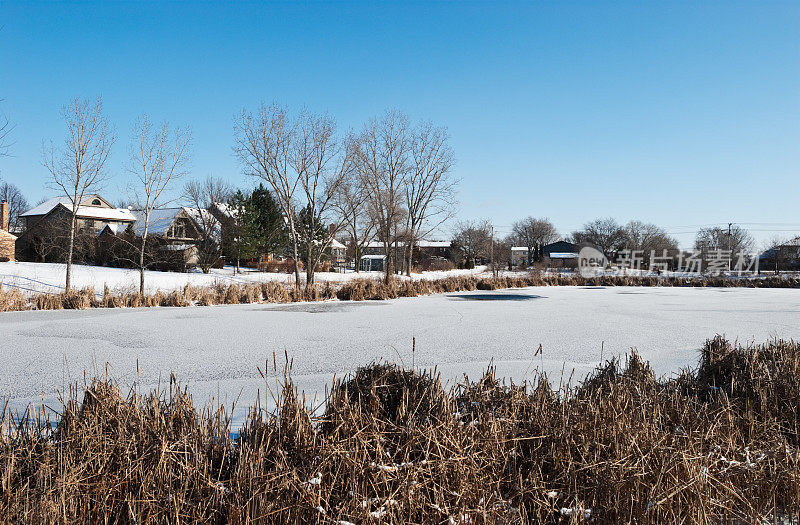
<point>678,113</point>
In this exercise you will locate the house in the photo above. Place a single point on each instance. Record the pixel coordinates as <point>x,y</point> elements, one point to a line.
<point>424,248</point>
<point>94,213</point>
<point>174,238</point>
<point>46,226</point>
<point>179,233</point>
<point>338,253</point>
<point>556,254</point>
<point>372,263</point>
<point>784,257</point>
<point>227,217</point>
<point>556,249</point>
<point>8,241</point>
<point>174,225</point>
<point>432,249</point>
<point>425,251</point>
<point>519,256</point>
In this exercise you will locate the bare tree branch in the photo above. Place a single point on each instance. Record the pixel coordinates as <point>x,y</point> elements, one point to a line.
<point>202,195</point>
<point>430,187</point>
<point>382,165</point>
<point>78,167</point>
<point>157,158</point>
<point>264,147</point>
<point>17,204</point>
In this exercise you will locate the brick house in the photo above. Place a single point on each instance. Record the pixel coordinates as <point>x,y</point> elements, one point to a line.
<point>46,227</point>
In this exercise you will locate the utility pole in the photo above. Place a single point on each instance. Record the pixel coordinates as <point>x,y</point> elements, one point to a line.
<point>491,254</point>
<point>729,246</point>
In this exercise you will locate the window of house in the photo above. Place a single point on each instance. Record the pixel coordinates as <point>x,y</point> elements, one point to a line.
<point>96,202</point>
<point>178,231</point>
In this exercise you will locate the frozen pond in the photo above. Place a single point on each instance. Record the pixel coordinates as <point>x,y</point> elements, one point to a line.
<point>218,350</point>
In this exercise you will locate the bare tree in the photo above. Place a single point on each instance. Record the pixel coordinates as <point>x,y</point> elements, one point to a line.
<point>78,167</point>
<point>17,204</point>
<point>323,164</point>
<point>782,253</point>
<point>430,187</point>
<point>5,131</point>
<point>606,234</point>
<point>264,146</point>
<point>202,195</point>
<point>733,240</point>
<point>359,221</point>
<point>472,240</point>
<point>648,238</point>
<point>382,165</point>
<point>534,234</point>
<point>158,157</point>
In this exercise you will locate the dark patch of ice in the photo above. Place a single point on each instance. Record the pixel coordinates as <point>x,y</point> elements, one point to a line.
<point>496,297</point>
<point>320,308</point>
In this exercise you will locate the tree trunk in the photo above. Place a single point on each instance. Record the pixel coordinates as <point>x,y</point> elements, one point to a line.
<point>309,267</point>
<point>410,251</point>
<point>296,265</point>
<point>388,267</point>
<point>141,260</point>
<point>72,226</point>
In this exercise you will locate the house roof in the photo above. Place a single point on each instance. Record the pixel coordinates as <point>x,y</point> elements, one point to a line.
<point>226,209</point>
<point>114,227</point>
<point>433,244</point>
<point>337,244</point>
<point>85,212</point>
<point>177,247</point>
<point>419,244</point>
<point>160,220</point>
<point>793,242</point>
<point>204,218</point>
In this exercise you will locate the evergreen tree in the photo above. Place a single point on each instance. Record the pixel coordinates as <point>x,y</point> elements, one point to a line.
<point>266,224</point>
<point>309,230</point>
<point>257,225</point>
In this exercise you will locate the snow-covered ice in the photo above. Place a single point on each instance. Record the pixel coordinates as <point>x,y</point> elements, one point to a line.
<point>218,350</point>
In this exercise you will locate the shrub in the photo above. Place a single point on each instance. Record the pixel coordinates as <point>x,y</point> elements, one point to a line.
<point>279,266</point>
<point>12,300</point>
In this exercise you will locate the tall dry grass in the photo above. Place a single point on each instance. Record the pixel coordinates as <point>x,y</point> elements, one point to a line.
<point>354,290</point>
<point>717,445</point>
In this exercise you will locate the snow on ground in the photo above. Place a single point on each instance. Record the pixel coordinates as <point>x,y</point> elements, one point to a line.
<point>49,277</point>
<point>218,350</point>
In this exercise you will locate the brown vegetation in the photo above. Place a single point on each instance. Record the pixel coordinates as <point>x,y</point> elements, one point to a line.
<point>354,290</point>
<point>719,445</point>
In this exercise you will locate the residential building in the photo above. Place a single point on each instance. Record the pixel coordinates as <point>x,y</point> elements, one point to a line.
<point>46,227</point>
<point>372,263</point>
<point>784,257</point>
<point>426,252</point>
<point>556,254</point>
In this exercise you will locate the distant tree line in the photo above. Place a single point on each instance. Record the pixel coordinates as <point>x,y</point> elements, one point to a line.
<point>390,181</point>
